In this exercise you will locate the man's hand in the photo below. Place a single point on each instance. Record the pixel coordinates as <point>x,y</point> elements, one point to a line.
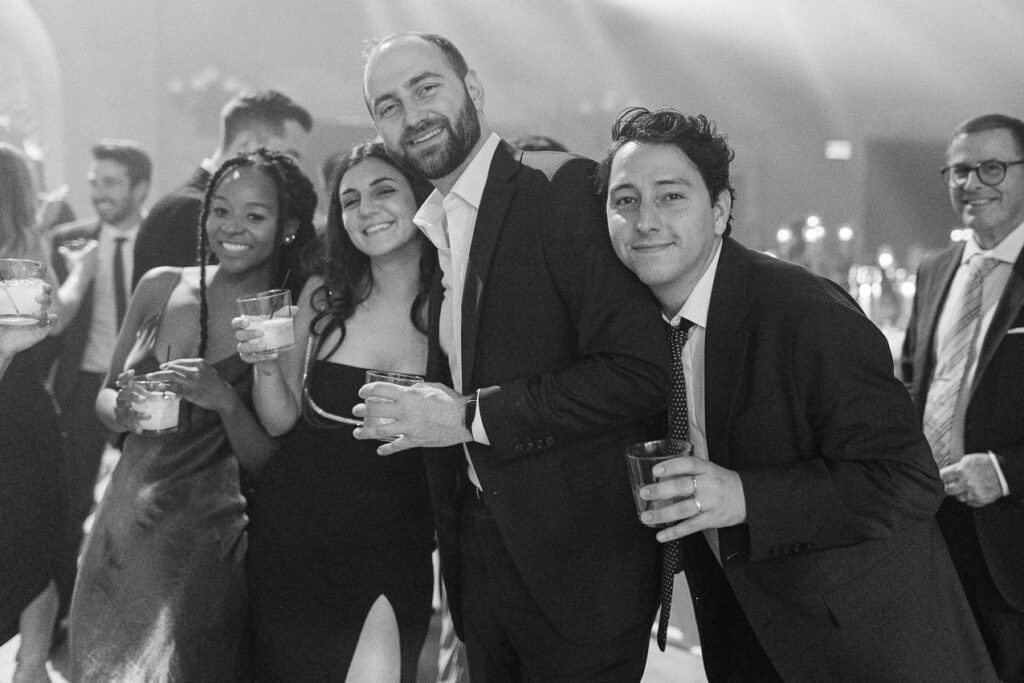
<point>716,501</point>
<point>425,414</point>
<point>973,480</point>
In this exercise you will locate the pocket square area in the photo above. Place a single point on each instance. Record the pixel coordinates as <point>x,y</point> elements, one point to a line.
<point>1015,330</point>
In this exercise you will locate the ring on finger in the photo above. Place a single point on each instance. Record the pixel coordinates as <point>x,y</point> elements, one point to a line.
<point>693,479</point>
<point>700,508</point>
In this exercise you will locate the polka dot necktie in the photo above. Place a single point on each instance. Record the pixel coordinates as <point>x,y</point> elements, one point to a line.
<point>678,429</point>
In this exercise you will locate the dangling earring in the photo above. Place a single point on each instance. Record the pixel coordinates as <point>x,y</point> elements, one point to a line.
<point>289,239</point>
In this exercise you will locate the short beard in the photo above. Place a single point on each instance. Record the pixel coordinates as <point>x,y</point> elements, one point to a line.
<point>462,137</point>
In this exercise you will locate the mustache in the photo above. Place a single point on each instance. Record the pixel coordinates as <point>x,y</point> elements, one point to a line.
<point>412,132</point>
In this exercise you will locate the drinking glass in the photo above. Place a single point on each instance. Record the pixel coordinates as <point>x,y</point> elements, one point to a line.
<point>271,313</point>
<point>21,282</point>
<point>399,378</point>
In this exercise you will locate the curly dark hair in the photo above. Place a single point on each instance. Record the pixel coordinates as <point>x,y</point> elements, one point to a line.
<point>348,279</point>
<point>296,199</point>
<point>694,134</point>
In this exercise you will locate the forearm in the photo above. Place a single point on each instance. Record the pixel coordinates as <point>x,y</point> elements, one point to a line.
<point>106,409</point>
<point>69,299</point>
<point>276,405</point>
<point>4,362</point>
<point>251,444</point>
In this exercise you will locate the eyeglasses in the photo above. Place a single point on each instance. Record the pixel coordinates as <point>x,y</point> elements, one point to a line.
<point>990,172</point>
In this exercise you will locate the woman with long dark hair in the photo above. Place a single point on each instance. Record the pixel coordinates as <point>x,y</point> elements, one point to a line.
<point>340,567</point>
<point>33,483</point>
<point>161,591</point>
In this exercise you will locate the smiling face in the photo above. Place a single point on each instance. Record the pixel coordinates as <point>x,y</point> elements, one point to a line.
<point>426,115</point>
<point>243,224</point>
<point>116,200</point>
<point>661,220</point>
<point>377,207</point>
<point>991,212</point>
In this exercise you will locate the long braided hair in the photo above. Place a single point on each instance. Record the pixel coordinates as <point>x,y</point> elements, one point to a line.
<point>296,199</point>
<point>348,279</point>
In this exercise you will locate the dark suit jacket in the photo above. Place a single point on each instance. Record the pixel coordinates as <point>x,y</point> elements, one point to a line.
<point>570,357</point>
<point>840,568</point>
<point>994,420</point>
<point>76,334</point>
<point>168,235</point>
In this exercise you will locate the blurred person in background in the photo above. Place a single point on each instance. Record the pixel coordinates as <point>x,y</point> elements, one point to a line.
<point>161,591</point>
<point>262,118</point>
<point>537,143</point>
<point>119,181</point>
<point>963,357</point>
<point>33,483</point>
<point>341,539</point>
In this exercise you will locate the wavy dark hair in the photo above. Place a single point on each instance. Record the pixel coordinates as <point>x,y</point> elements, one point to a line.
<point>17,205</point>
<point>694,134</point>
<point>348,279</point>
<point>296,199</point>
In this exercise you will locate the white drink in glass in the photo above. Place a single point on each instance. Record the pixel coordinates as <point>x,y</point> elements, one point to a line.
<point>160,403</point>
<point>18,305</point>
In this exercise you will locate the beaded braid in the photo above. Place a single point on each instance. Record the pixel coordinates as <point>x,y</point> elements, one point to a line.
<point>296,199</point>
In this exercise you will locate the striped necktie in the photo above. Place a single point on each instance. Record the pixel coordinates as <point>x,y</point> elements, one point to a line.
<point>953,359</point>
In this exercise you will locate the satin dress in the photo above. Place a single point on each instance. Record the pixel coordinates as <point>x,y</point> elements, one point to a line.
<point>161,592</point>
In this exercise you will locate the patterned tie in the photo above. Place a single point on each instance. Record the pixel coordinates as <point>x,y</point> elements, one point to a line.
<point>678,429</point>
<point>120,295</point>
<point>953,360</point>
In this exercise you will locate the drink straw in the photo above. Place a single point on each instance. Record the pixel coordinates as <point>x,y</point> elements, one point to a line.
<point>3,281</point>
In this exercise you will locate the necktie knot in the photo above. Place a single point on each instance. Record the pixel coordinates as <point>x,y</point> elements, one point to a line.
<point>982,265</point>
<point>677,334</point>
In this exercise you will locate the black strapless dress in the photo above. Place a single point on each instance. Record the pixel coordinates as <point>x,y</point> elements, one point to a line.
<point>335,526</point>
<point>161,592</point>
<point>33,487</point>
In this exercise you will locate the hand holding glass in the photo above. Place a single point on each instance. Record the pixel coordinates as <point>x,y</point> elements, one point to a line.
<point>21,285</point>
<point>271,313</point>
<point>158,403</point>
<point>641,459</point>
<point>398,378</point>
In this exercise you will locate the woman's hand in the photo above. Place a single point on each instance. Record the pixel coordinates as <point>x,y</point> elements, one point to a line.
<point>14,339</point>
<point>127,417</point>
<point>81,257</point>
<point>200,384</point>
<point>249,336</point>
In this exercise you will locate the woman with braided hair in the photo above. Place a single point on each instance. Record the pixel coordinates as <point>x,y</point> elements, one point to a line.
<point>161,592</point>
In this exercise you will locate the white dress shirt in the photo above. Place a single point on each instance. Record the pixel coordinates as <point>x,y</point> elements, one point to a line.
<point>448,221</point>
<point>104,326</point>
<point>1006,252</point>
<point>695,309</point>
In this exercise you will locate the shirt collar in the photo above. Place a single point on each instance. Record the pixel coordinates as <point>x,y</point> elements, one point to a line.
<point>130,233</point>
<point>470,187</point>
<point>695,308</point>
<point>1006,251</point>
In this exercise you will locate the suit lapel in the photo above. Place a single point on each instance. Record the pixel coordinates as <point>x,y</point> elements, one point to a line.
<point>725,348</point>
<point>494,204</point>
<point>1009,307</point>
<point>931,297</point>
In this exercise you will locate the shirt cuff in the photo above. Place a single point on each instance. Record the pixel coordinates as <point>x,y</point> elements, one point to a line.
<point>480,434</point>
<point>995,463</point>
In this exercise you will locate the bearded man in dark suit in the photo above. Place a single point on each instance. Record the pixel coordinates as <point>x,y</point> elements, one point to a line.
<point>805,510</point>
<point>556,361</point>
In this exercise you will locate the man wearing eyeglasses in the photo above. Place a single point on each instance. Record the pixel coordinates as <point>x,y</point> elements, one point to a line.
<point>963,358</point>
